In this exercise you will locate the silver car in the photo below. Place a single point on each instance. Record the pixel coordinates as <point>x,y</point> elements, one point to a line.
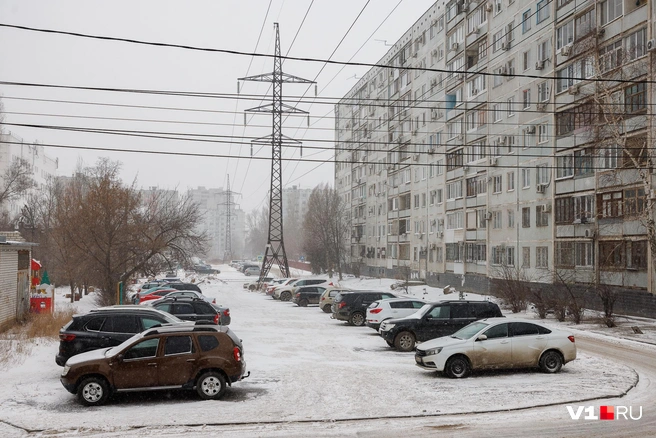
<point>497,343</point>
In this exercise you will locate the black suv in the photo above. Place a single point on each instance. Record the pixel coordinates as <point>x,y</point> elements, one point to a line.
<point>183,286</point>
<point>352,306</point>
<point>434,320</point>
<point>308,295</point>
<point>191,309</point>
<point>107,327</point>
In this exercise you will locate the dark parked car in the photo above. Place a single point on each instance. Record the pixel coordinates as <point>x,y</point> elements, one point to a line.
<point>435,320</point>
<point>352,306</point>
<point>106,327</point>
<point>184,286</point>
<point>308,295</point>
<point>205,269</point>
<point>186,356</point>
<point>193,309</point>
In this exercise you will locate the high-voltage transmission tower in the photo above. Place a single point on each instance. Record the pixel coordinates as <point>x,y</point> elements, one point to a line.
<point>227,253</point>
<point>275,248</point>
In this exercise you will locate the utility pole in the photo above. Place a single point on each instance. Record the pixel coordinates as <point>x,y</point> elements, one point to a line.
<point>275,248</point>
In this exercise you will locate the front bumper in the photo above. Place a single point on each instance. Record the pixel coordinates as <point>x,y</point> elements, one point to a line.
<point>373,325</point>
<point>70,387</point>
<point>426,363</point>
<point>60,360</point>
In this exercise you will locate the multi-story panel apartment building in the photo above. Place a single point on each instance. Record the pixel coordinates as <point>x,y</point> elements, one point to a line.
<point>213,205</point>
<point>42,166</point>
<point>478,144</point>
<point>295,202</point>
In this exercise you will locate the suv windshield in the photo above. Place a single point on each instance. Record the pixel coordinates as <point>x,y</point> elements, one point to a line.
<point>470,330</point>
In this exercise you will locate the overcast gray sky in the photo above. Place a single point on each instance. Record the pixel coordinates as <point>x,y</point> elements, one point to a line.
<point>42,58</point>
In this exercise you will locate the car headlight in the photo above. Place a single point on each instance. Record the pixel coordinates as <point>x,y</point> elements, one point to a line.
<point>65,371</point>
<point>433,351</point>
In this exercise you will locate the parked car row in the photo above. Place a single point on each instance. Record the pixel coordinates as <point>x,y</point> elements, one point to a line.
<point>453,337</point>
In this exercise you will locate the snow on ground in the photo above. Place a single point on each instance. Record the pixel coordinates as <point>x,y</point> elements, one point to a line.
<point>304,366</point>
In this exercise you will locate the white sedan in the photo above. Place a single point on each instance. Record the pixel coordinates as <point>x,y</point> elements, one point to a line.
<point>497,343</point>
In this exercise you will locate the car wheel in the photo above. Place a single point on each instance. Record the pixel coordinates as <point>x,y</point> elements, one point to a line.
<point>327,308</point>
<point>457,367</point>
<point>251,287</point>
<point>357,319</point>
<point>404,341</point>
<point>93,391</point>
<point>303,303</point>
<point>285,296</point>
<point>551,362</point>
<point>211,386</point>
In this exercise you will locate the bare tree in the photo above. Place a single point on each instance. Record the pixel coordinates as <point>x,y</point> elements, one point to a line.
<point>257,225</point>
<point>16,181</point>
<point>104,233</point>
<point>511,284</point>
<point>325,228</point>
<point>568,296</point>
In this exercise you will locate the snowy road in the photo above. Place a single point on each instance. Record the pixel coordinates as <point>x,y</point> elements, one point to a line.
<point>311,375</point>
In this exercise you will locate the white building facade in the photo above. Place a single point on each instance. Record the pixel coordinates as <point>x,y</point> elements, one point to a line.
<point>471,150</point>
<point>216,212</point>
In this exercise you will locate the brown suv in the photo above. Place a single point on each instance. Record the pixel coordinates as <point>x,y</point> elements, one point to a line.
<point>187,356</point>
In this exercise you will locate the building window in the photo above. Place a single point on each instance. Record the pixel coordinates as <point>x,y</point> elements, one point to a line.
<point>564,166</point>
<point>636,252</point>
<point>636,44</point>
<point>612,254</point>
<point>583,208</point>
<point>610,205</point>
<point>564,208</point>
<point>454,160</point>
<point>634,201</point>
<point>611,156</point>
<point>526,178</point>
<point>564,254</point>
<point>635,98</point>
<point>511,219</point>
<point>543,92</point>
<point>542,257</point>
<point>541,216</point>
<point>454,190</point>
<point>610,10</point>
<point>526,217</point>
<point>584,254</point>
<point>497,184</point>
<point>526,98</point>
<point>526,60</point>
<point>565,35</point>
<point>584,162</point>
<point>511,106</point>
<point>543,11</point>
<point>455,221</point>
<point>502,255</point>
<point>497,220</point>
<point>510,178</point>
<point>585,23</point>
<point>543,133</point>
<point>526,257</point>
<point>453,252</point>
<point>526,21</point>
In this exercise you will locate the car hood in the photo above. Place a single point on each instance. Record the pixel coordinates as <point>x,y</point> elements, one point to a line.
<point>445,341</point>
<point>88,356</point>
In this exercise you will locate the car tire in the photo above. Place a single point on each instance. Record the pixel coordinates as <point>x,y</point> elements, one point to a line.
<point>252,287</point>
<point>457,367</point>
<point>93,391</point>
<point>211,386</point>
<point>285,296</point>
<point>357,319</point>
<point>551,362</point>
<point>327,309</point>
<point>303,303</point>
<point>404,341</point>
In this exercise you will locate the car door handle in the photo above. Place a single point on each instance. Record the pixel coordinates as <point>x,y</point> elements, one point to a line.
<point>152,364</point>
<point>504,342</point>
<point>191,360</point>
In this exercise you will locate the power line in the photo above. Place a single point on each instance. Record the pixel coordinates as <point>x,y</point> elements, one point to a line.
<point>294,58</point>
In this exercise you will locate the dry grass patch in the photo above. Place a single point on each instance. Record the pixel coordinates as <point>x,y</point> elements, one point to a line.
<point>16,342</point>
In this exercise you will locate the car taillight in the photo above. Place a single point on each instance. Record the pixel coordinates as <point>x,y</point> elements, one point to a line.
<point>237,353</point>
<point>226,312</point>
<point>330,284</point>
<point>66,338</point>
<point>571,338</point>
<point>342,304</point>
<point>298,295</point>
<point>216,318</point>
<point>376,310</point>
<point>323,298</point>
<point>214,301</point>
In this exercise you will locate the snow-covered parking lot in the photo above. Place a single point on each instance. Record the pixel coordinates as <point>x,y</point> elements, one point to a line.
<point>304,366</point>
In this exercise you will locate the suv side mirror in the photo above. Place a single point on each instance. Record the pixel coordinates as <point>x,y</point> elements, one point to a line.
<point>481,337</point>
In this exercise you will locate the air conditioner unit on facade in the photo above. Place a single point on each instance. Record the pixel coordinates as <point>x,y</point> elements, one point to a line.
<point>601,32</point>
<point>433,246</point>
<point>574,89</point>
<point>493,161</point>
<point>431,151</point>
<point>415,157</point>
<point>539,65</point>
<point>566,50</point>
<point>546,208</point>
<point>488,216</point>
<point>505,45</point>
<point>474,92</point>
<point>454,47</point>
<point>440,233</point>
<point>651,45</point>
<point>541,106</point>
<point>489,7</point>
<point>530,129</point>
<point>541,188</point>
